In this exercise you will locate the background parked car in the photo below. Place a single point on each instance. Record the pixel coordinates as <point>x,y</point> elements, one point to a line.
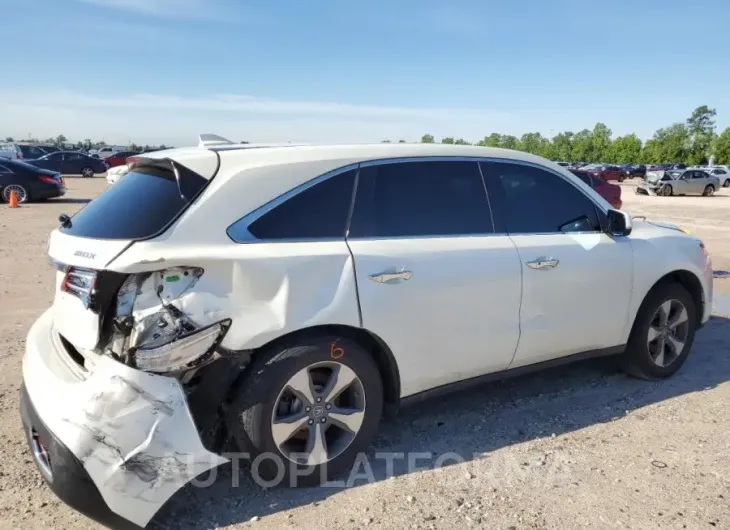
<point>29,182</point>
<point>634,170</point>
<point>118,159</point>
<point>610,192</point>
<point>722,174</point>
<point>679,182</point>
<point>10,150</point>
<point>605,171</point>
<point>71,163</point>
<point>115,173</point>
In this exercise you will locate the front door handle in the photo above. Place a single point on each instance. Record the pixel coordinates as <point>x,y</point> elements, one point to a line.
<point>543,262</point>
<point>391,276</point>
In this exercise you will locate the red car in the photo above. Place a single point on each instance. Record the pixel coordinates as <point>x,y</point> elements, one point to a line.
<point>606,172</point>
<point>118,159</point>
<point>610,192</point>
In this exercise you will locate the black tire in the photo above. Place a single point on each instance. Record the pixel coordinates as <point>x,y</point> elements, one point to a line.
<point>622,178</point>
<point>726,184</point>
<point>708,191</point>
<point>250,413</point>
<point>667,190</point>
<point>636,360</point>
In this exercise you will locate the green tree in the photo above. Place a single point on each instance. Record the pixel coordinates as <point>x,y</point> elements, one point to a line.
<point>624,150</point>
<point>60,140</point>
<point>493,140</point>
<point>401,141</point>
<point>583,146</point>
<point>508,141</point>
<point>721,147</point>
<point>701,134</point>
<point>601,141</point>
<point>562,147</point>
<point>672,143</point>
<point>461,141</point>
<point>447,140</point>
<point>9,139</point>
<point>427,139</point>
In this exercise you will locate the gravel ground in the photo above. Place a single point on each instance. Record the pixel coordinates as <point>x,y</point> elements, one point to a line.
<point>579,446</point>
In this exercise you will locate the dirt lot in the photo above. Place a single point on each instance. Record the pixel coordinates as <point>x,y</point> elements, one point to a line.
<point>582,446</point>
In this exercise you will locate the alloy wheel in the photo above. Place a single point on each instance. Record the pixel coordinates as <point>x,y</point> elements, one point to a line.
<point>318,413</point>
<point>709,190</point>
<point>87,172</point>
<point>668,332</point>
<point>19,190</point>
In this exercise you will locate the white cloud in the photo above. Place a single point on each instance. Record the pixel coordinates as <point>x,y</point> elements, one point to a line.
<point>172,119</point>
<point>163,8</point>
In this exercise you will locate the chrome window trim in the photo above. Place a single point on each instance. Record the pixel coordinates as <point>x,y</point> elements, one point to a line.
<point>244,236</point>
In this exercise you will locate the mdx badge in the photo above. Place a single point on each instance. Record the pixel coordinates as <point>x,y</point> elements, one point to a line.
<point>82,254</point>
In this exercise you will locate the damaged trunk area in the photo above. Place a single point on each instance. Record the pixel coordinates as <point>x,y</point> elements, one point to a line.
<point>158,323</point>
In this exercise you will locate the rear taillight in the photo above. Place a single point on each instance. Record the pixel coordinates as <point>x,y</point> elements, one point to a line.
<point>80,283</point>
<point>47,180</point>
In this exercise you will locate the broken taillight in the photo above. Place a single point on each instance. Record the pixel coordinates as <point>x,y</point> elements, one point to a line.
<point>80,283</point>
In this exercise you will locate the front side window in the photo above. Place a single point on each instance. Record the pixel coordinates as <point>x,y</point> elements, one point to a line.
<point>317,212</point>
<point>417,199</point>
<point>530,200</point>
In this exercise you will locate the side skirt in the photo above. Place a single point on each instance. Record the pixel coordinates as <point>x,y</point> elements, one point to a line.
<point>466,384</point>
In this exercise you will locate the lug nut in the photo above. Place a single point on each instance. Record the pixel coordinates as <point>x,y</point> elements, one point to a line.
<point>328,406</point>
<point>311,422</point>
<point>308,409</point>
<point>323,420</point>
<point>319,399</point>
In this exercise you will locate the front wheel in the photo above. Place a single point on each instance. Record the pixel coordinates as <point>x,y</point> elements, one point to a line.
<point>726,184</point>
<point>663,333</point>
<point>306,410</point>
<point>621,178</point>
<point>87,172</point>
<point>709,190</point>
<point>667,190</point>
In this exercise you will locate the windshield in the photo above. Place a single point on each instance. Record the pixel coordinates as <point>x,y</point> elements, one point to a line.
<point>139,206</point>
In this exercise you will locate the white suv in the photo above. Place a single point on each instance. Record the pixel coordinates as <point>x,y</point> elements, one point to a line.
<point>283,298</point>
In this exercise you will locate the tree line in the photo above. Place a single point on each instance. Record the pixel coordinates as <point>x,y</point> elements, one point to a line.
<point>691,142</point>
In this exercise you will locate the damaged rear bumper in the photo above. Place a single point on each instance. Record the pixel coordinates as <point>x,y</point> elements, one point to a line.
<point>124,437</point>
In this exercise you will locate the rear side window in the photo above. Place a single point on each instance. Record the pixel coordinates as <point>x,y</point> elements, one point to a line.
<point>529,200</point>
<point>412,199</point>
<point>139,206</point>
<point>318,212</point>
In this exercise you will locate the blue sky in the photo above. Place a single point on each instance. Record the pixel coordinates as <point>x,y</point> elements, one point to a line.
<point>152,71</point>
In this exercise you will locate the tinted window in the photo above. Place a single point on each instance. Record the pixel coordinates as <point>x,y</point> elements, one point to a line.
<point>528,200</point>
<point>138,206</point>
<point>585,177</point>
<point>318,212</point>
<point>421,199</point>
<point>55,156</point>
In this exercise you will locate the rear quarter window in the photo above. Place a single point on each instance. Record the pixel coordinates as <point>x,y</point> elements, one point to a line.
<point>320,211</point>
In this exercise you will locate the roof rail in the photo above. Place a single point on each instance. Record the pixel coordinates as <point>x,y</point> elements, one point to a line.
<point>208,140</point>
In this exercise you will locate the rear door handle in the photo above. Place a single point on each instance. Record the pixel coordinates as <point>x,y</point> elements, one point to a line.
<point>391,276</point>
<point>543,262</point>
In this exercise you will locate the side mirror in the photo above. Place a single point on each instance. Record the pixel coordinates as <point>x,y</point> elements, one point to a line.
<point>619,223</point>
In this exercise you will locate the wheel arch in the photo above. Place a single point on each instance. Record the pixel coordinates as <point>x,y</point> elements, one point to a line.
<point>690,282</point>
<point>381,353</point>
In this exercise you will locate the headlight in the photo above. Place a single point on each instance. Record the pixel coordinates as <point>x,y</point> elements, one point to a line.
<point>151,332</point>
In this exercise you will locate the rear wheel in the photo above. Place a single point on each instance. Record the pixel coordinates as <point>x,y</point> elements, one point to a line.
<point>20,192</point>
<point>87,172</point>
<point>663,333</point>
<point>621,178</point>
<point>667,190</point>
<point>306,410</point>
<point>726,184</point>
<point>709,190</point>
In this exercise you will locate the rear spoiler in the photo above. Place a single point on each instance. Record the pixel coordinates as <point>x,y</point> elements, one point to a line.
<point>210,140</point>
